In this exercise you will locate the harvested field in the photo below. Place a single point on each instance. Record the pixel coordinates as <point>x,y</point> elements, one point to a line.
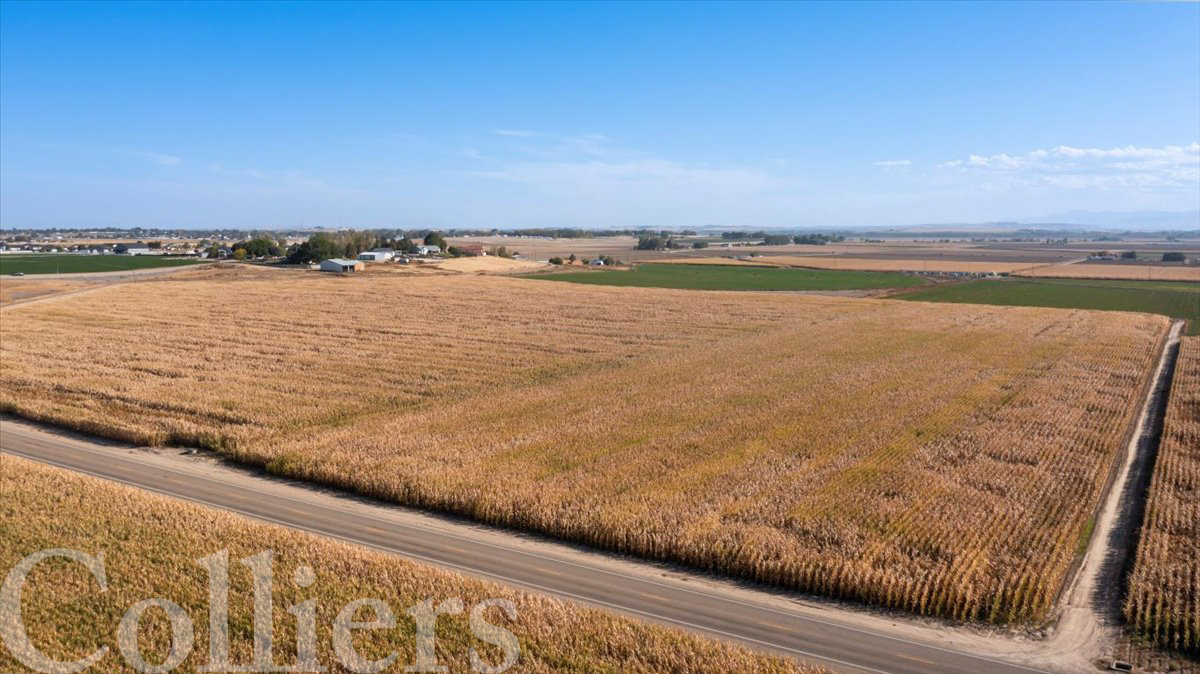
<point>19,291</point>
<point>942,459</point>
<point>1163,604</point>
<point>719,261</point>
<point>490,264</point>
<point>150,544</point>
<point>733,277</point>
<point>623,247</point>
<point>882,264</point>
<point>1118,271</point>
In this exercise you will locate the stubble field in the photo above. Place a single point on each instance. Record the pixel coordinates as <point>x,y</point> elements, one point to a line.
<point>941,459</point>
<point>1130,272</point>
<point>894,265</point>
<point>1163,605</point>
<point>150,544</point>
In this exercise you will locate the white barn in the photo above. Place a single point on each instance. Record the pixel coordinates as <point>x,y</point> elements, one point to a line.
<point>375,256</point>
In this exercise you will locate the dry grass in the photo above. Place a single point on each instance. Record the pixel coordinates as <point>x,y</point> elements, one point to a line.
<point>623,247</point>
<point>18,291</point>
<point>940,459</point>
<point>1163,605</point>
<point>150,544</point>
<point>720,261</point>
<point>490,264</point>
<point>1118,271</point>
<point>925,265</point>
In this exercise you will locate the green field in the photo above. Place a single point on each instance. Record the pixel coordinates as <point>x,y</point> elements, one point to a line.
<point>1175,299</point>
<point>717,277</point>
<point>51,263</point>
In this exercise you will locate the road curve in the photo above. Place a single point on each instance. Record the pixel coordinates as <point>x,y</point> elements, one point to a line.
<point>564,573</point>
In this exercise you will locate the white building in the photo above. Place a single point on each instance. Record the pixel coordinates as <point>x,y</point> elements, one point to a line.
<point>340,265</point>
<point>428,250</point>
<point>375,256</point>
<point>132,249</point>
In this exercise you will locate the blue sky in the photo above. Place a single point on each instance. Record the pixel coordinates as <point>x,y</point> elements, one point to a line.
<point>616,114</point>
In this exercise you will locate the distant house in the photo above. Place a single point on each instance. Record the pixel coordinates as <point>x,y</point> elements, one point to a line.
<point>131,249</point>
<point>471,249</point>
<point>428,250</point>
<point>340,265</point>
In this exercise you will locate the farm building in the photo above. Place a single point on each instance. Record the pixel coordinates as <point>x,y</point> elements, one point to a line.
<point>472,249</point>
<point>132,249</point>
<point>340,265</point>
<point>428,250</point>
<point>382,255</point>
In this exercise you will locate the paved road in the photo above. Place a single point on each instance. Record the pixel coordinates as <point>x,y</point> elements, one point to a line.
<point>567,574</point>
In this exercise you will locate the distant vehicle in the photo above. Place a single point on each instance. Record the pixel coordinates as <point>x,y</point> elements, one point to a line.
<point>18,273</point>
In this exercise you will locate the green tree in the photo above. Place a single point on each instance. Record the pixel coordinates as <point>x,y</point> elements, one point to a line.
<point>435,239</point>
<point>699,244</point>
<point>320,246</point>
<point>556,260</point>
<point>239,254</point>
<point>655,242</point>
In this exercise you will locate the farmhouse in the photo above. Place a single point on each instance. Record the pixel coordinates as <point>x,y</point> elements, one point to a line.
<point>428,250</point>
<point>340,265</point>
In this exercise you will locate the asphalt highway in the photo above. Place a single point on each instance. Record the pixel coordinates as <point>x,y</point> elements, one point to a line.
<point>569,575</point>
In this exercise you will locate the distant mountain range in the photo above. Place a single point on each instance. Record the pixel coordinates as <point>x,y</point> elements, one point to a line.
<point>1140,220</point>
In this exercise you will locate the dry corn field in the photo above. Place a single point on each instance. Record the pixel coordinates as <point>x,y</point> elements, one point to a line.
<point>150,544</point>
<point>942,459</point>
<point>1117,271</point>
<point>1164,590</point>
<point>924,265</point>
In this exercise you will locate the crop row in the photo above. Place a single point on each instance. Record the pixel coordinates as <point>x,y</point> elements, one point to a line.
<point>1163,603</point>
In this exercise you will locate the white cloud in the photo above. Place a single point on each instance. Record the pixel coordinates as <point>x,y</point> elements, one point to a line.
<point>590,165</point>
<point>637,175</point>
<point>156,157</point>
<point>893,163</point>
<point>1129,167</point>
<point>515,133</point>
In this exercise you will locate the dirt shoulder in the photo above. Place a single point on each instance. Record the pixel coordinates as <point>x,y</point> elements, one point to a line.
<point>1090,627</point>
